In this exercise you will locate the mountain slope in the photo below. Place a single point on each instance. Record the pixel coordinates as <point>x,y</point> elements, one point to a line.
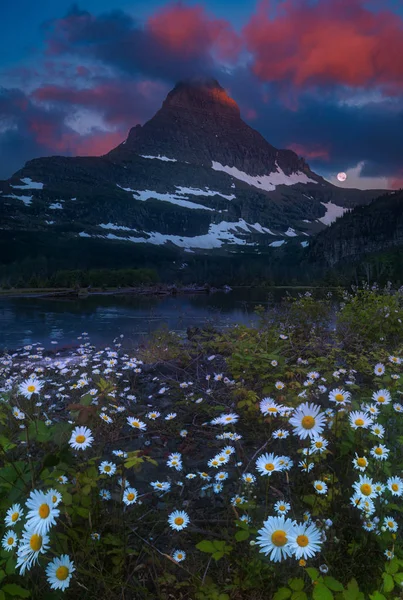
<point>195,177</point>
<point>372,228</point>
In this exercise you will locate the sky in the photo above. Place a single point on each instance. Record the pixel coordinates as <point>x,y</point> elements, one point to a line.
<point>321,77</point>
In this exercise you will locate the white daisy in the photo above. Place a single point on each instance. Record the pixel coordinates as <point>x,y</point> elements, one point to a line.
<point>30,386</point>
<point>360,462</point>
<point>282,507</point>
<point>107,468</point>
<point>59,572</point>
<point>390,524</point>
<point>13,515</point>
<point>42,512</point>
<point>269,407</point>
<point>9,540</point>
<point>379,369</point>
<point>395,485</point>
<point>359,419</point>
<point>320,486</point>
<point>365,487</point>
<point>179,555</point>
<point>307,421</point>
<point>340,397</point>
<point>30,546</point>
<point>382,397</point>
<point>305,541</point>
<point>81,438</point>
<point>274,538</point>
<point>380,452</point>
<point>268,463</point>
<point>178,520</point>
<point>136,423</point>
<point>130,496</point>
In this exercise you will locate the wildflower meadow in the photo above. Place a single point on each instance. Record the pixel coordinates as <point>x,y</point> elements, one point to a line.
<point>252,462</point>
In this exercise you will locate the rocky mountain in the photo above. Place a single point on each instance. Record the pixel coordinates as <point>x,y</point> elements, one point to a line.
<point>373,228</point>
<point>194,178</point>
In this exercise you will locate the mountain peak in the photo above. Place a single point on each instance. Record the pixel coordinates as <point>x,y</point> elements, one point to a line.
<point>201,94</point>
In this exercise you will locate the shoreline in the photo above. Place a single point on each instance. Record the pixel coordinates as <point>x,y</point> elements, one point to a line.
<point>163,290</point>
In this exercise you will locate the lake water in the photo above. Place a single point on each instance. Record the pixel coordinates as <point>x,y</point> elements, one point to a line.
<point>59,322</point>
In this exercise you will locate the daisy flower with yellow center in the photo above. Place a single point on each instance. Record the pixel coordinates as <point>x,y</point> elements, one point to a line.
<point>9,540</point>
<point>395,485</point>
<point>81,438</point>
<point>13,515</point>
<point>130,496</point>
<point>379,369</point>
<point>390,524</point>
<point>380,452</point>
<point>179,555</point>
<point>282,507</point>
<point>267,464</point>
<point>30,386</point>
<point>42,513</point>
<point>136,423</point>
<point>365,487</point>
<point>32,544</point>
<point>340,397</point>
<point>273,538</point>
<point>305,541</point>
<point>307,421</point>
<point>107,468</point>
<point>382,397</point>
<point>360,462</point>
<point>359,419</point>
<point>59,572</point>
<point>320,487</point>
<point>178,520</point>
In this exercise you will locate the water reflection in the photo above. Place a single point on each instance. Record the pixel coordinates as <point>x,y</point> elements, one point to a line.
<point>46,320</point>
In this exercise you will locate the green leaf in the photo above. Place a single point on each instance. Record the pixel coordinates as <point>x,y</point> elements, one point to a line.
<point>352,592</point>
<point>321,592</point>
<point>67,498</point>
<point>398,577</point>
<point>10,566</point>
<point>300,595</point>
<point>240,536</point>
<point>16,590</point>
<point>333,584</point>
<point>388,583</point>
<point>313,573</point>
<point>2,595</point>
<point>206,546</point>
<point>296,584</point>
<point>217,555</point>
<point>282,593</point>
<point>392,566</point>
<point>377,596</point>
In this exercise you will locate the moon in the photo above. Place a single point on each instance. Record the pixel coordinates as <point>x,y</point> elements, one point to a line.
<point>341,176</point>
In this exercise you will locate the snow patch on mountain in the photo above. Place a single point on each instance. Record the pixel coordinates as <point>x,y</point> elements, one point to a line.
<point>206,192</point>
<point>277,243</point>
<point>25,199</point>
<point>165,158</point>
<point>28,184</point>
<point>218,234</point>
<point>333,211</point>
<point>264,182</point>
<point>290,232</point>
<point>56,206</point>
<point>116,227</point>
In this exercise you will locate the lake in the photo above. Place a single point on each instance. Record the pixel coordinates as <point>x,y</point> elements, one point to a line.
<point>59,322</point>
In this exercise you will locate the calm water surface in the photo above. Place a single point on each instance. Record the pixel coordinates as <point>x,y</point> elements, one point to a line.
<point>58,322</point>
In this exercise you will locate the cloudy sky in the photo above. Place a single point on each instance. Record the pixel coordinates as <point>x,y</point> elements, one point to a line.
<point>322,77</point>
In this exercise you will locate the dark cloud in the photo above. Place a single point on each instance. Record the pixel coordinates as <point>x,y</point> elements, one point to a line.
<point>178,41</point>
